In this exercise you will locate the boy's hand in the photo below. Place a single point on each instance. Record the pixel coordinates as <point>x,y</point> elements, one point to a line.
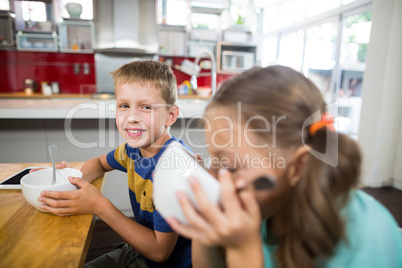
<point>60,165</point>
<point>86,200</point>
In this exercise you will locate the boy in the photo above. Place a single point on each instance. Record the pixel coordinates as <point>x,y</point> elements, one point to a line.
<point>145,93</point>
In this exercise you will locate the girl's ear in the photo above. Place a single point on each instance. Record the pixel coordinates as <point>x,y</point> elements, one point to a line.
<point>297,165</point>
<point>173,113</point>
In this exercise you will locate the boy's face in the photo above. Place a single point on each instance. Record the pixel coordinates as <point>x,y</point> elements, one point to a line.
<point>142,115</point>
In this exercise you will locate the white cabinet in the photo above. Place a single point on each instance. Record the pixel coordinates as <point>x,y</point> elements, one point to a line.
<point>172,41</point>
<point>76,36</point>
<point>37,41</point>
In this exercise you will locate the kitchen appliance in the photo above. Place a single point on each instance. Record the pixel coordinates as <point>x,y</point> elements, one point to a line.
<point>235,57</point>
<point>7,29</point>
<point>237,61</point>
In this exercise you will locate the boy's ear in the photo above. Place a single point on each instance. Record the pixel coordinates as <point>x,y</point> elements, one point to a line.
<point>297,165</point>
<point>173,113</point>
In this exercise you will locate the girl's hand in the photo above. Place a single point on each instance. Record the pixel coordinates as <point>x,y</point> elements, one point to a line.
<point>235,225</point>
<point>60,165</point>
<point>85,200</point>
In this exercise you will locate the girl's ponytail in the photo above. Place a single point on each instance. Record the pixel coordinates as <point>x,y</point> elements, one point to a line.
<point>315,224</point>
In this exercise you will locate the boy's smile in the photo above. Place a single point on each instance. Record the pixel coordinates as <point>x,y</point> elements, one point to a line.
<point>135,132</point>
<point>142,116</point>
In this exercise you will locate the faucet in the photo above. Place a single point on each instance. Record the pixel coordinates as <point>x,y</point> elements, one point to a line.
<point>193,80</point>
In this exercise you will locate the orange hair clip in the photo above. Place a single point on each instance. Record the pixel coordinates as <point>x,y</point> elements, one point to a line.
<point>326,121</point>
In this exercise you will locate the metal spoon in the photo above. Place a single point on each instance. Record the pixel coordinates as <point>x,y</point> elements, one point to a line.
<point>53,154</point>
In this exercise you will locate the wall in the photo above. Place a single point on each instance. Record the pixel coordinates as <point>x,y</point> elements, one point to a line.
<point>15,66</point>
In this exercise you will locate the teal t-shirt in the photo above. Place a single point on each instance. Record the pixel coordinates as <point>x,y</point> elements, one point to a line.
<point>374,237</point>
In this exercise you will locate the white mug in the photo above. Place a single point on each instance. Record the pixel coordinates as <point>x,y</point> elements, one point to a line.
<point>171,175</point>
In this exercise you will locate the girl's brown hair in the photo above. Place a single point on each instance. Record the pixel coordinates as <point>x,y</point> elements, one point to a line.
<point>158,74</point>
<point>312,221</point>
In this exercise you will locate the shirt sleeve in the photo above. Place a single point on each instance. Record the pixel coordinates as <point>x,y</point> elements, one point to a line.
<point>160,224</point>
<point>117,158</point>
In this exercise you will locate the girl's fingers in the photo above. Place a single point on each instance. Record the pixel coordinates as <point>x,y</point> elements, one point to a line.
<point>250,203</point>
<point>212,213</point>
<point>230,200</point>
<point>194,218</point>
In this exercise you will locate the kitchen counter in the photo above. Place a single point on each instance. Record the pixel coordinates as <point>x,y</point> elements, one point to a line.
<point>80,108</point>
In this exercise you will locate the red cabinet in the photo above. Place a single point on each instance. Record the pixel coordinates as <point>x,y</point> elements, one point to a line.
<point>75,72</point>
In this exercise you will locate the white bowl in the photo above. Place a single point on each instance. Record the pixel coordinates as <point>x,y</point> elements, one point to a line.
<point>171,174</point>
<point>203,91</point>
<point>34,183</point>
<point>46,26</point>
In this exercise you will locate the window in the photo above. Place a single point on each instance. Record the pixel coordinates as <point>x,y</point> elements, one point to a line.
<point>320,56</point>
<point>291,50</point>
<point>352,63</point>
<point>33,11</point>
<point>238,15</point>
<point>291,12</point>
<point>205,21</point>
<point>270,45</point>
<point>345,2</point>
<point>4,5</point>
<point>353,53</point>
<point>172,12</point>
<point>316,7</point>
<point>271,18</point>
<point>327,41</point>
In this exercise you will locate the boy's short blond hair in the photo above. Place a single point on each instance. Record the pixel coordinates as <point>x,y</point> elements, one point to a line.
<point>157,74</point>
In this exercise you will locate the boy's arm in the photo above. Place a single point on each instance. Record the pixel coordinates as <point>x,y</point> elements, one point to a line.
<point>154,245</point>
<point>94,168</point>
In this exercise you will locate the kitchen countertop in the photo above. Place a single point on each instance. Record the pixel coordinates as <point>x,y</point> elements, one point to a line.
<point>80,108</point>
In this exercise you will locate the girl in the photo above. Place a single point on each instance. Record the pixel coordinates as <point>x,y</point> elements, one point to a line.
<point>259,125</point>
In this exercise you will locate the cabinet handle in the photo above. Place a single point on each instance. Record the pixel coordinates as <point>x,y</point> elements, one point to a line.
<point>87,70</point>
<point>76,68</point>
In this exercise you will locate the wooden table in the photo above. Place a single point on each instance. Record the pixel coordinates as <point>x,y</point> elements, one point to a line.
<point>30,238</point>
